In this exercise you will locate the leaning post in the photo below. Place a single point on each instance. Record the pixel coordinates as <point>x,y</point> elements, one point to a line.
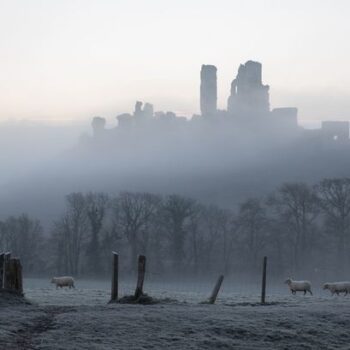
<point>140,276</point>
<point>263,285</point>
<point>216,289</point>
<point>114,291</point>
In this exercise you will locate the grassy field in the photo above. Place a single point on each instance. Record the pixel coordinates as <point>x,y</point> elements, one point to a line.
<point>82,319</point>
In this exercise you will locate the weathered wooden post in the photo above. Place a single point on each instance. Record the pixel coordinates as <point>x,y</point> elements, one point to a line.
<point>263,285</point>
<point>2,258</point>
<point>216,289</point>
<point>7,271</point>
<point>18,278</point>
<point>12,274</point>
<point>140,276</point>
<point>114,291</point>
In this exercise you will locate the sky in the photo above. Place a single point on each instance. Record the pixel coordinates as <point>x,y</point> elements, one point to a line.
<point>69,60</point>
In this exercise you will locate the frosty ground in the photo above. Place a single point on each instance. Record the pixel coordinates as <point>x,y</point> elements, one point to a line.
<point>82,319</point>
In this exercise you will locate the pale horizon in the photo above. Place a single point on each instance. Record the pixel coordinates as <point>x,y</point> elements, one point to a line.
<point>72,60</point>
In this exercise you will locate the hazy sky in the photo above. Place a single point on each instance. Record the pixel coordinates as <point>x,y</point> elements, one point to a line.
<point>72,59</point>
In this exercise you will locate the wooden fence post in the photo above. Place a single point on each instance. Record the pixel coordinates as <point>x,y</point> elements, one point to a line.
<point>216,289</point>
<point>18,278</point>
<point>263,285</point>
<point>2,259</point>
<point>114,291</point>
<point>7,271</point>
<point>140,276</point>
<point>11,279</point>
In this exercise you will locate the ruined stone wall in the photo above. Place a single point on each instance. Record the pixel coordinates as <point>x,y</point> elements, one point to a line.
<point>335,130</point>
<point>248,95</point>
<point>286,117</point>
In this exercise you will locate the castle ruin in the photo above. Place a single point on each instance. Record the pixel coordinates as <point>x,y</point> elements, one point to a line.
<point>248,107</point>
<point>208,90</point>
<point>249,97</point>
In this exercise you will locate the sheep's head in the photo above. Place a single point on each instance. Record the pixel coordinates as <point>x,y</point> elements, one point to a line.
<point>53,280</point>
<point>326,286</point>
<point>288,281</point>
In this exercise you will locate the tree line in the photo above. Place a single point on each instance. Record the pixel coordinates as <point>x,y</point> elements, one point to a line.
<point>303,229</point>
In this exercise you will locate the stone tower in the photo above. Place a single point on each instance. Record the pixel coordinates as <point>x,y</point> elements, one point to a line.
<point>208,90</point>
<point>248,94</point>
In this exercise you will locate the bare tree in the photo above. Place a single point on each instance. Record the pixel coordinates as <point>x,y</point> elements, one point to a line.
<point>252,229</point>
<point>96,206</point>
<point>216,239</point>
<point>196,237</point>
<point>23,236</point>
<point>177,210</point>
<point>5,237</point>
<point>132,214</point>
<point>228,231</point>
<point>334,195</point>
<point>70,233</point>
<point>297,207</point>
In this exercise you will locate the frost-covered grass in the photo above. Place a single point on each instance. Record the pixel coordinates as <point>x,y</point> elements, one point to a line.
<point>81,319</point>
<point>89,292</point>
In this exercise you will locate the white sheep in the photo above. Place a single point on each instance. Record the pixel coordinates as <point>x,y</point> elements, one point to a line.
<point>64,281</point>
<point>298,286</point>
<point>338,287</point>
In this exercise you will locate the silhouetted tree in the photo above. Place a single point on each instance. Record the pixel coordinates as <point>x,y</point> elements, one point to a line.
<point>177,210</point>
<point>70,233</point>
<point>334,195</point>
<point>204,237</point>
<point>24,238</point>
<point>196,237</point>
<point>252,229</point>
<point>132,214</point>
<point>96,206</point>
<point>216,238</point>
<point>297,207</point>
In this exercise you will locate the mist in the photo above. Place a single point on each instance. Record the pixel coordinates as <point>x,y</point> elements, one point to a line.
<point>219,157</point>
<point>174,175</point>
<point>225,168</point>
<point>200,196</point>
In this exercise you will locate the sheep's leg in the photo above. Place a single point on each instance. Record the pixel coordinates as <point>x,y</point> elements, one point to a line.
<point>310,291</point>
<point>346,293</point>
<point>304,291</point>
